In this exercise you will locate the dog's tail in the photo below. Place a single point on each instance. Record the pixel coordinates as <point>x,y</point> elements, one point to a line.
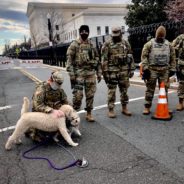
<point>25,105</point>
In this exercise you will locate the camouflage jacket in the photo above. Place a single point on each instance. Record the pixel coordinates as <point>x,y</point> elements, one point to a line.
<point>117,56</point>
<point>145,57</point>
<point>178,44</point>
<point>83,59</point>
<point>45,98</point>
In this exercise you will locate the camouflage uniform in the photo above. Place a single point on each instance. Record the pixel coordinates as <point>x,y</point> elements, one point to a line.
<point>83,64</point>
<point>178,44</point>
<point>159,59</point>
<point>117,68</point>
<point>45,99</point>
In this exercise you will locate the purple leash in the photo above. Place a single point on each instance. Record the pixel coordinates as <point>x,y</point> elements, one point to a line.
<point>77,162</point>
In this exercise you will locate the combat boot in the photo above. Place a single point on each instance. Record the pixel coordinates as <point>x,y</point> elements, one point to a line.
<point>146,111</point>
<point>180,106</point>
<point>125,111</point>
<point>89,117</point>
<point>111,113</point>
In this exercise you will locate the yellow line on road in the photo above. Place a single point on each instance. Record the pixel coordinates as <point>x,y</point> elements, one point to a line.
<point>32,77</point>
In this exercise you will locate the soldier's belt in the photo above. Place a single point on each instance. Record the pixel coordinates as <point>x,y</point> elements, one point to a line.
<point>159,67</point>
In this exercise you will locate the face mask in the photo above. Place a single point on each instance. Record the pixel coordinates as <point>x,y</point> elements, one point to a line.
<point>116,39</point>
<point>160,40</point>
<point>54,85</point>
<point>84,36</point>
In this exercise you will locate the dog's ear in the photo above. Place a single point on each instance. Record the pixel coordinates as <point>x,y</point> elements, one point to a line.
<point>69,112</point>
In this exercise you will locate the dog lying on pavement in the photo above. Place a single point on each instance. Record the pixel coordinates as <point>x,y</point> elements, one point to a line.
<point>45,122</point>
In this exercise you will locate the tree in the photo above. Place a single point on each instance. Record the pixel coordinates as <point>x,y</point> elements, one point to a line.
<point>175,10</point>
<point>57,24</point>
<point>6,46</point>
<point>144,12</point>
<point>34,43</point>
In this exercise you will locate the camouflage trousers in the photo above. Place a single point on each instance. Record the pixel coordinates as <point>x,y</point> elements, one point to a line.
<point>121,80</point>
<point>181,83</point>
<point>161,76</point>
<point>88,84</point>
<point>181,89</point>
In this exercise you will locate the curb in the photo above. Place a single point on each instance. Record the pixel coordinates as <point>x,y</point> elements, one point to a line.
<point>137,82</point>
<point>54,67</point>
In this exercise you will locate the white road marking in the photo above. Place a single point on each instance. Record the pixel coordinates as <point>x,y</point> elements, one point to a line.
<point>6,107</point>
<point>83,111</point>
<point>7,128</point>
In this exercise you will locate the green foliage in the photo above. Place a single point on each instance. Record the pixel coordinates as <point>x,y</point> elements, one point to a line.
<point>144,12</point>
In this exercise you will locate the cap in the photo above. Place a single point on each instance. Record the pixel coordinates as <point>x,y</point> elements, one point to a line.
<point>57,77</point>
<point>84,27</point>
<point>160,32</point>
<point>116,31</point>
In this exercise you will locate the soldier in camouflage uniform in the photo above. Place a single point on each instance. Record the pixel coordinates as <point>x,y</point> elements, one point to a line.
<point>178,44</point>
<point>158,63</point>
<point>117,67</point>
<point>48,98</point>
<point>83,65</point>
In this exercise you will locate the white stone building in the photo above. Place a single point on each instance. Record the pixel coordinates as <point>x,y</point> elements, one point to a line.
<point>67,18</point>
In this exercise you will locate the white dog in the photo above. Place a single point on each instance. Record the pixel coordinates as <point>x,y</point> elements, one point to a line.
<point>45,122</point>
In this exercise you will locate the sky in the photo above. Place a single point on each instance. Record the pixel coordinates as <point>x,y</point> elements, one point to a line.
<point>14,25</point>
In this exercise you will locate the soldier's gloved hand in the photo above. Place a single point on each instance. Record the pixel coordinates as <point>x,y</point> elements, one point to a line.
<point>99,78</point>
<point>146,74</point>
<point>131,74</point>
<point>171,73</point>
<point>57,113</point>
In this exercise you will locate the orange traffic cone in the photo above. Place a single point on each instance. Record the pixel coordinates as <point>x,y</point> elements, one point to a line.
<point>162,110</point>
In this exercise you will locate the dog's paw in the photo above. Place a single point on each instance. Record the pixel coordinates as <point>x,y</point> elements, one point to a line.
<point>18,142</point>
<point>55,138</point>
<point>79,134</point>
<point>75,144</point>
<point>7,148</point>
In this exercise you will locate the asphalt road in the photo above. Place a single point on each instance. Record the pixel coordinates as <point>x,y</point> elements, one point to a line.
<point>128,150</point>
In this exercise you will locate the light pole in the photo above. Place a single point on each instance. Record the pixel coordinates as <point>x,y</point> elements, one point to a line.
<point>50,38</point>
<point>49,29</point>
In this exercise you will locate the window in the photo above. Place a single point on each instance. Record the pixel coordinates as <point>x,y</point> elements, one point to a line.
<point>58,37</point>
<point>98,30</point>
<point>57,27</point>
<point>75,33</point>
<point>106,30</point>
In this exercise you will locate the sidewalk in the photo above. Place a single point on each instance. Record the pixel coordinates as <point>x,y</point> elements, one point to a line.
<point>136,79</point>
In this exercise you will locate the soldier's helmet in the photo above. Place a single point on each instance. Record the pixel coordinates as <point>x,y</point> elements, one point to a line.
<point>116,31</point>
<point>57,77</point>
<point>160,32</point>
